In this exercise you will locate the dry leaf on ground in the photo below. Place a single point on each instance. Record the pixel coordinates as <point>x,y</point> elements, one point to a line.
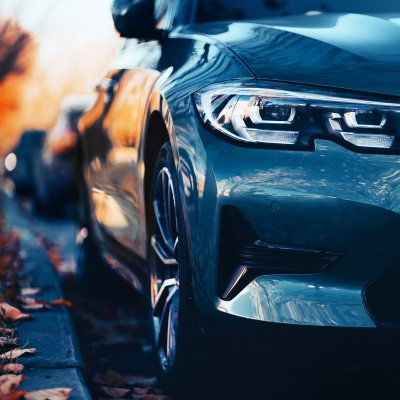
<point>49,394</point>
<point>12,368</point>
<point>7,341</point>
<point>11,313</point>
<point>60,302</point>
<point>33,307</point>
<point>115,392</point>
<point>15,394</point>
<point>30,291</point>
<point>12,354</point>
<point>30,303</point>
<point>9,383</point>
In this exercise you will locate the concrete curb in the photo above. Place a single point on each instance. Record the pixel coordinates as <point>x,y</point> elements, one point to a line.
<point>57,361</point>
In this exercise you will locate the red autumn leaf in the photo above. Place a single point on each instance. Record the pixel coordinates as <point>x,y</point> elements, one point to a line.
<point>60,302</point>
<point>11,313</point>
<point>15,394</point>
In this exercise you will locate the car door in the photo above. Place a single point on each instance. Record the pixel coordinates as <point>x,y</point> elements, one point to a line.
<point>114,177</point>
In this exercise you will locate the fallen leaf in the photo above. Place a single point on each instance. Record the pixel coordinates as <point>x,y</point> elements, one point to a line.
<point>33,307</point>
<point>7,341</point>
<point>60,302</point>
<point>11,313</point>
<point>13,354</point>
<point>115,392</point>
<point>9,382</point>
<point>15,394</point>
<point>29,303</point>
<point>13,368</point>
<point>28,300</point>
<point>30,291</point>
<point>49,394</point>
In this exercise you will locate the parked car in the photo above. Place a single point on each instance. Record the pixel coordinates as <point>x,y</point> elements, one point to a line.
<point>20,161</point>
<point>244,174</point>
<point>54,172</point>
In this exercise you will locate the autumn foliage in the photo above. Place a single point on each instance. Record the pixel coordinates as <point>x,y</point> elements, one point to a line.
<point>16,57</point>
<point>13,43</point>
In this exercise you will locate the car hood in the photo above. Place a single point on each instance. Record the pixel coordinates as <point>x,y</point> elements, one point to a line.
<point>351,51</point>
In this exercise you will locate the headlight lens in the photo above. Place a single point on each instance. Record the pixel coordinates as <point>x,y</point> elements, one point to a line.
<point>291,115</point>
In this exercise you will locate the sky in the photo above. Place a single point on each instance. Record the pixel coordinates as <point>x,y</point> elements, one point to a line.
<point>74,44</point>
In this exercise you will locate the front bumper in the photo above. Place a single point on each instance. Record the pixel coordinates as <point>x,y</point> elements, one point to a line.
<point>330,198</point>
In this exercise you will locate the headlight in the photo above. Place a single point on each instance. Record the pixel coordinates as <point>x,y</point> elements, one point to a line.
<point>282,114</point>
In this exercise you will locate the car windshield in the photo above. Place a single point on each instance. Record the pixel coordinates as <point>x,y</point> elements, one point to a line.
<point>219,10</point>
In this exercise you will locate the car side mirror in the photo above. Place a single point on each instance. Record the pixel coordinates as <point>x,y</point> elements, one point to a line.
<point>134,18</point>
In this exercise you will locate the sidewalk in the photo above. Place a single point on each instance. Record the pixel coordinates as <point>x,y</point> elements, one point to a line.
<point>57,361</point>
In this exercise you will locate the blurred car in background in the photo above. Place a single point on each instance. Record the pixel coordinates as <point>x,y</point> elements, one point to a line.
<point>20,162</point>
<point>54,172</point>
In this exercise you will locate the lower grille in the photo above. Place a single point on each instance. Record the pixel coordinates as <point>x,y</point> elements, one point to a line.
<point>244,256</point>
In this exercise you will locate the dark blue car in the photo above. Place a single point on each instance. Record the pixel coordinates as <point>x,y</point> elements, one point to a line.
<point>241,168</point>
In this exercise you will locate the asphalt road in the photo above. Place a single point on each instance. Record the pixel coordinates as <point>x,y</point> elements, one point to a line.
<point>113,333</point>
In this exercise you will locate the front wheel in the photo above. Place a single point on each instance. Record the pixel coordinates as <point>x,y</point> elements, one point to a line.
<point>170,279</point>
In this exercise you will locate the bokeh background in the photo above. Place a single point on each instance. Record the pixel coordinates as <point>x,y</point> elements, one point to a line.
<point>49,49</point>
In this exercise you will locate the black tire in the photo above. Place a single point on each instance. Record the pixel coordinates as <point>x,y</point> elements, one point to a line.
<point>179,369</point>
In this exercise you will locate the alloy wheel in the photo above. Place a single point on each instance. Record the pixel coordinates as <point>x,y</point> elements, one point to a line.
<point>165,269</point>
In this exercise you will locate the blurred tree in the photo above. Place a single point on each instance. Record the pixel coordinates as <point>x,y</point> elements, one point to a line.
<point>13,41</point>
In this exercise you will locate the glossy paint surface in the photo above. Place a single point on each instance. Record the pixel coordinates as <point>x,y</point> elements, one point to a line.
<point>329,198</point>
<point>327,49</point>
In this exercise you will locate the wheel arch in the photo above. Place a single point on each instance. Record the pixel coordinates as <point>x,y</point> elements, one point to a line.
<point>156,135</point>
<point>160,129</point>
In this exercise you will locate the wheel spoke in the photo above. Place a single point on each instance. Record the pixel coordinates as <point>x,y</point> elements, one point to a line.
<point>165,317</point>
<point>168,286</point>
<point>164,208</point>
<point>162,252</point>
